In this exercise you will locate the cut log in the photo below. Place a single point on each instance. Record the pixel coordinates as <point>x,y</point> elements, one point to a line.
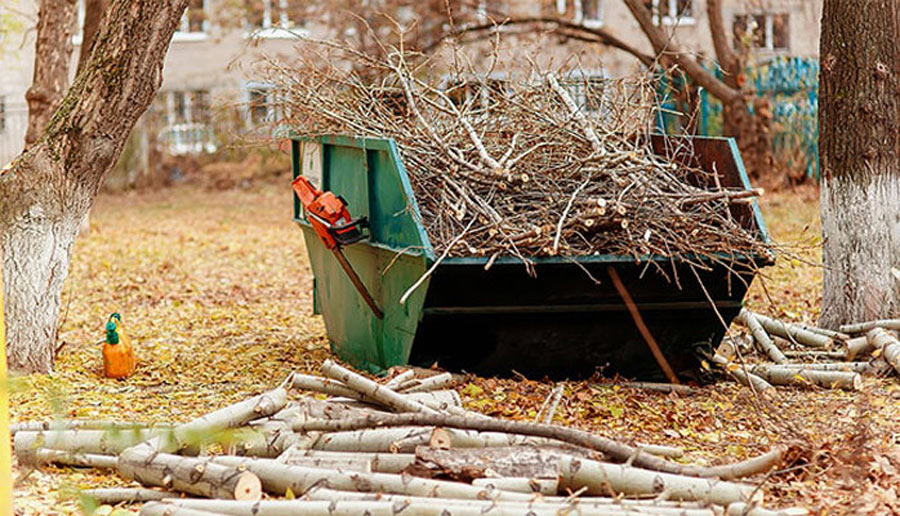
<point>888,344</point>
<point>744,377</point>
<point>413,507</point>
<point>372,390</point>
<point>432,383</point>
<point>267,440</point>
<point>466,465</point>
<point>865,327</point>
<point>76,424</point>
<point>762,339</point>
<point>667,388</point>
<point>779,375</point>
<point>853,367</point>
<point>612,449</point>
<point>379,462</point>
<point>81,460</point>
<point>396,381</point>
<point>200,477</point>
<point>794,333</point>
<point>277,478</point>
<point>384,440</point>
<point>98,442</point>
<point>600,478</point>
<point>837,336</point>
<point>117,495</point>
<point>816,355</point>
<point>561,503</point>
<point>167,509</point>
<point>543,486</point>
<point>859,346</point>
<point>436,400</point>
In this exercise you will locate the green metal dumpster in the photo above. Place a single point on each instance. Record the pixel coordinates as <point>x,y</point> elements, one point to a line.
<point>500,320</point>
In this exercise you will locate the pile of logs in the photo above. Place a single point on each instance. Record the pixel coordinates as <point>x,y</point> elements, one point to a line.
<point>381,449</point>
<point>802,355</point>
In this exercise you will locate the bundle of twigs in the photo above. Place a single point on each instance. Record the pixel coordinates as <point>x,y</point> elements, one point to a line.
<point>372,448</point>
<point>519,167</point>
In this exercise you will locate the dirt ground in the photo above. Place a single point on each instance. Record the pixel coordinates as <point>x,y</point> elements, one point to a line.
<point>214,289</point>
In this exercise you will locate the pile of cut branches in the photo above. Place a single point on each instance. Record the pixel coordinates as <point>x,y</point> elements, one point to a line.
<point>547,165</point>
<point>808,356</point>
<point>405,445</point>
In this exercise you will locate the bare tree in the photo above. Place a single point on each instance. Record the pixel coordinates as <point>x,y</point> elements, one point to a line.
<point>859,141</point>
<point>51,186</point>
<point>93,14</point>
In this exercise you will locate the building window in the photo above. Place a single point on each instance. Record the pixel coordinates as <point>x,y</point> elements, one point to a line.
<point>264,15</point>
<point>186,107</point>
<point>588,12</point>
<point>480,93</point>
<point>2,115</point>
<point>671,12</point>
<point>263,104</point>
<point>765,31</point>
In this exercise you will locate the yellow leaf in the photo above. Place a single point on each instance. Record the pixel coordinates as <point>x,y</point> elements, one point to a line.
<point>289,495</point>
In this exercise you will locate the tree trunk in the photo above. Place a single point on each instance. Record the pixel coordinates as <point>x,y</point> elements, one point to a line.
<point>57,21</point>
<point>859,141</point>
<point>93,13</point>
<point>51,186</point>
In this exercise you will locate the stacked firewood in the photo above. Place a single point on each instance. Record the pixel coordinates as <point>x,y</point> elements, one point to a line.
<point>372,449</point>
<point>803,355</point>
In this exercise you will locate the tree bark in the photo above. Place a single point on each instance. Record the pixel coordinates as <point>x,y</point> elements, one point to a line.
<point>381,462</point>
<point>93,13</point>
<point>81,460</point>
<point>859,142</point>
<point>57,20</point>
<point>200,477</point>
<point>50,187</point>
<point>166,509</point>
<point>117,495</point>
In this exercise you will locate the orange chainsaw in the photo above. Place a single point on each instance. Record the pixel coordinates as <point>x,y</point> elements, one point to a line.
<point>329,217</point>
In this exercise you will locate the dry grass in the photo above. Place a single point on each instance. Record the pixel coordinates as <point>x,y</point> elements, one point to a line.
<point>215,291</point>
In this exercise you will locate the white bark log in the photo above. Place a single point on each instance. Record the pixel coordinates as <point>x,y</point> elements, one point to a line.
<point>277,478</point>
<point>888,345</point>
<point>167,509</point>
<point>543,486</point>
<point>81,460</point>
<point>396,381</point>
<point>383,440</point>
<point>559,503</point>
<point>98,442</point>
<point>432,383</point>
<point>437,400</point>
<point>794,333</point>
<point>762,339</point>
<point>744,377</point>
<point>859,346</point>
<point>865,327</point>
<point>410,508</point>
<point>670,452</point>
<point>803,377</point>
<point>853,367</point>
<point>380,462</point>
<point>76,424</point>
<point>743,509</point>
<point>117,495</point>
<point>200,477</point>
<point>373,390</point>
<point>600,478</point>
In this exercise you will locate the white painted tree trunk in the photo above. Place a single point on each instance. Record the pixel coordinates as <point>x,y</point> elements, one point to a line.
<point>861,230</point>
<point>37,245</point>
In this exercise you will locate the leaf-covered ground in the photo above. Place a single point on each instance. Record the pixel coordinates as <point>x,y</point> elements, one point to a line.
<point>214,289</point>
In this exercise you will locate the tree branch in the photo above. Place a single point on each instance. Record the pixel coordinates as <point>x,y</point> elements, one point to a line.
<point>573,30</point>
<point>727,58</point>
<point>664,46</point>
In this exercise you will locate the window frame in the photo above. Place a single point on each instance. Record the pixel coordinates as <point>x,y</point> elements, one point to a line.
<point>768,30</point>
<point>588,22</point>
<point>184,33</point>
<point>668,18</point>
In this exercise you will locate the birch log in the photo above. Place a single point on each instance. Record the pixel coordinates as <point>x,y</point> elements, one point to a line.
<point>889,346</point>
<point>379,462</point>
<point>543,486</point>
<point>762,339</point>
<point>117,495</point>
<point>466,465</point>
<point>793,332</point>
<point>434,400</point>
<point>200,477</point>
<point>560,503</point>
<point>744,377</point>
<point>432,383</point>
<point>613,449</point>
<point>277,478</point>
<point>75,424</point>
<point>373,390</point>
<point>396,381</point>
<point>81,460</point>
<point>167,509</point>
<point>858,346</point>
<point>412,508</point>
<point>667,388</point>
<point>744,509</point>
<point>99,442</point>
<point>778,375</point>
<point>865,327</point>
<point>600,478</point>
